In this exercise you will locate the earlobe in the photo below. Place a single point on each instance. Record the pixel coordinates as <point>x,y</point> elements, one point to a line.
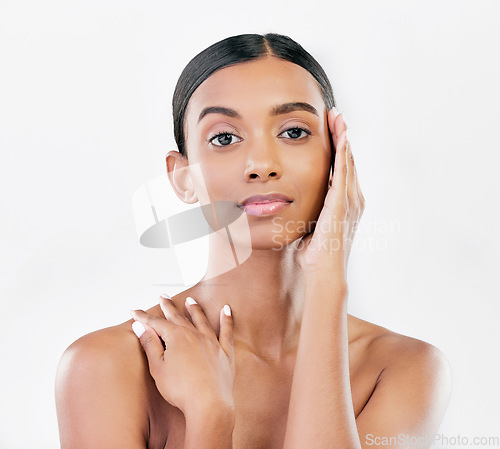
<point>190,197</point>
<point>180,178</point>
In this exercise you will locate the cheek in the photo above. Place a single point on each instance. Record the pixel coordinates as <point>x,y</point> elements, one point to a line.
<point>314,199</point>
<point>312,167</point>
<point>213,181</point>
<point>312,175</point>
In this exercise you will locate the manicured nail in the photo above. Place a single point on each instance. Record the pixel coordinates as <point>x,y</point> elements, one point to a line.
<point>343,118</point>
<point>227,310</point>
<point>190,300</point>
<point>335,111</point>
<point>138,328</point>
<point>347,135</point>
<point>165,296</point>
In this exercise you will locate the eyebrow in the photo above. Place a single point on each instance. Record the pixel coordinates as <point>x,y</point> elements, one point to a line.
<point>276,110</point>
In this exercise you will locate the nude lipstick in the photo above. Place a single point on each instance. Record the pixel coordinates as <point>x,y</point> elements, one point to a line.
<point>265,204</point>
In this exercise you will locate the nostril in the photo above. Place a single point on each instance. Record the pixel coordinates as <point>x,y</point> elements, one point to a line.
<point>255,175</point>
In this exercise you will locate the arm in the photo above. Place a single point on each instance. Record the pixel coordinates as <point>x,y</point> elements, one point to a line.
<point>406,407</point>
<point>98,396</point>
<point>412,391</point>
<point>321,412</point>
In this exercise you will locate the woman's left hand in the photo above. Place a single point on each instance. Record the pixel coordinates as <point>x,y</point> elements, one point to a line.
<point>329,246</point>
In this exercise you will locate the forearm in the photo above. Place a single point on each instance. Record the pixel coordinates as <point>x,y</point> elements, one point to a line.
<point>320,412</point>
<point>209,429</point>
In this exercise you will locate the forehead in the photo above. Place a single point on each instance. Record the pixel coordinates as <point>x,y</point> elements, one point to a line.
<point>251,86</point>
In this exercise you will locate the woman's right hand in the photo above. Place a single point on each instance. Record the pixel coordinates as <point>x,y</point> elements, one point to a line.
<point>195,372</point>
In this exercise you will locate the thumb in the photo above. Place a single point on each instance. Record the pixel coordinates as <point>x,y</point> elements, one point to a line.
<point>150,341</point>
<point>226,332</point>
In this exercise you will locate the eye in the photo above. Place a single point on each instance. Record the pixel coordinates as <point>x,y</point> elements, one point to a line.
<point>223,139</point>
<point>296,133</point>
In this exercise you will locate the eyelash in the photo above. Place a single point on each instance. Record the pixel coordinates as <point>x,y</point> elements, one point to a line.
<point>224,133</point>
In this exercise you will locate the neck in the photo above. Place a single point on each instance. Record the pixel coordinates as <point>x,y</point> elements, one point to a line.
<point>265,294</point>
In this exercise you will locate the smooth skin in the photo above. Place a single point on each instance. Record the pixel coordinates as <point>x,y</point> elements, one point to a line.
<point>289,368</point>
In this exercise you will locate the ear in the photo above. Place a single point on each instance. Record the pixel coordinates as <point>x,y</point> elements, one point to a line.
<point>180,178</point>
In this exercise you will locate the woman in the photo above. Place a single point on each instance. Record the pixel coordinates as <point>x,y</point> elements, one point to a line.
<point>263,355</point>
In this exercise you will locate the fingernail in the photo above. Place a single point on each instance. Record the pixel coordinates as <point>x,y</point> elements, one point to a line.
<point>335,111</point>
<point>166,296</point>
<point>343,118</point>
<point>347,135</point>
<point>190,300</point>
<point>227,310</point>
<point>138,328</point>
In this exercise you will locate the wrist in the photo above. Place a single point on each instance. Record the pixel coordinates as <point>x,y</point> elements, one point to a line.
<point>333,277</point>
<point>324,284</point>
<point>205,412</point>
<point>210,427</point>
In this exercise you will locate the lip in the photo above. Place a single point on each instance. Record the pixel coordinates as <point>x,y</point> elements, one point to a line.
<point>265,198</point>
<point>266,204</point>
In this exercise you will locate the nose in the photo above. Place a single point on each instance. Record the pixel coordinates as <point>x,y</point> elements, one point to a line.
<point>263,163</point>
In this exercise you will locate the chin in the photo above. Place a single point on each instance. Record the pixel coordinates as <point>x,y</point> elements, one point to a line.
<point>276,234</point>
<point>266,240</point>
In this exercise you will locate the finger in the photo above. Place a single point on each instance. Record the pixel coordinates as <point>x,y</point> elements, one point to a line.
<point>340,124</point>
<point>199,318</point>
<point>150,342</point>
<point>333,124</point>
<point>352,195</point>
<point>159,325</point>
<point>226,339</point>
<point>339,183</point>
<point>171,312</point>
<point>337,127</point>
<point>361,198</point>
<point>331,117</point>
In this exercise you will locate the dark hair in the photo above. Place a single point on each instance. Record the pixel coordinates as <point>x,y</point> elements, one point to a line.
<point>234,50</point>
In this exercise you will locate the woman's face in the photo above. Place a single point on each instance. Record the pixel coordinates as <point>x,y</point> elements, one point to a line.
<point>265,144</point>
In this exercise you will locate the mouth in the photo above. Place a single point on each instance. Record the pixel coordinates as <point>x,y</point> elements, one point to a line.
<point>261,205</point>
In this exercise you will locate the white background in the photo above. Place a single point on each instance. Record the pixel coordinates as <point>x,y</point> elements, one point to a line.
<point>85,120</point>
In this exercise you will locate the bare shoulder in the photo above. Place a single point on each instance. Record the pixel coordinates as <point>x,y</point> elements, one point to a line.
<point>115,348</point>
<point>391,347</point>
<point>413,378</point>
<point>101,339</point>
<point>107,353</point>
<point>100,390</point>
